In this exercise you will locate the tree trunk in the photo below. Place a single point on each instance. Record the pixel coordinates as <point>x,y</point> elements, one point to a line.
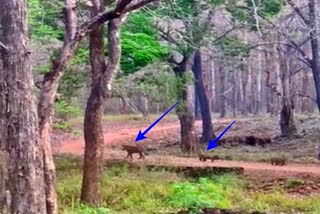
<point>25,187</point>
<point>207,127</point>
<point>287,125</point>
<point>306,104</point>
<point>143,104</point>
<point>315,62</point>
<point>93,131</point>
<point>102,78</point>
<point>222,90</point>
<point>259,87</point>
<point>197,108</point>
<point>184,112</point>
<point>48,94</point>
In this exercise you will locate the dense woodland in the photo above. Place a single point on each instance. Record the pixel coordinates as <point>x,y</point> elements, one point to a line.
<point>90,58</point>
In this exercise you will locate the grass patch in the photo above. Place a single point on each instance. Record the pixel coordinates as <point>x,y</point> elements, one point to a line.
<point>293,183</point>
<point>126,190</point>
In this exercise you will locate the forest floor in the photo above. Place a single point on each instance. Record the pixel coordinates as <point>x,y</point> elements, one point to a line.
<point>295,186</point>
<point>162,141</point>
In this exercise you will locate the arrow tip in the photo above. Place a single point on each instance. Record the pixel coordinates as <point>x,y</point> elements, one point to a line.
<point>140,136</point>
<point>212,144</point>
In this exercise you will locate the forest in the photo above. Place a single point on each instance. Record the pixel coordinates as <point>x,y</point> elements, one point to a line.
<point>159,106</point>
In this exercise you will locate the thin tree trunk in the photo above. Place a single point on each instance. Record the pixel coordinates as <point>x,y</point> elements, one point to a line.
<point>306,104</point>
<point>100,90</point>
<point>315,62</point>
<point>222,90</point>
<point>46,103</point>
<point>217,83</point>
<point>259,88</point>
<point>287,125</point>
<point>25,187</point>
<point>207,126</point>
<point>184,112</point>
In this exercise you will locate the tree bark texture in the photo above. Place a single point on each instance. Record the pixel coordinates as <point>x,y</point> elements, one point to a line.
<point>222,77</point>
<point>184,112</point>
<point>207,126</point>
<point>24,187</point>
<point>315,62</point>
<point>287,125</point>
<point>102,78</point>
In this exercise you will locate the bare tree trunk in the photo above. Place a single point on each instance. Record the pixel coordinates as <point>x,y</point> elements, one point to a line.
<point>234,99</point>
<point>222,77</point>
<point>315,62</point>
<point>252,102</point>
<point>217,83</point>
<point>259,87</point>
<point>287,125</point>
<point>184,112</point>
<point>24,190</point>
<point>197,107</point>
<point>102,78</point>
<point>143,104</point>
<point>207,126</point>
<point>93,131</point>
<point>306,105</point>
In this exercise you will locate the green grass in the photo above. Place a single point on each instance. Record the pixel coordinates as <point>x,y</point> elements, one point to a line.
<point>127,190</point>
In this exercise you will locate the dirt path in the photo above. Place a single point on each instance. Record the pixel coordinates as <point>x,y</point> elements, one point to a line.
<point>127,135</point>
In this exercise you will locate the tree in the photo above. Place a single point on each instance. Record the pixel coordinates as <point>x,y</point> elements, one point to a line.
<point>287,125</point>
<point>72,38</point>
<point>102,80</point>
<point>207,130</point>
<point>25,187</point>
<point>186,32</point>
<point>311,21</point>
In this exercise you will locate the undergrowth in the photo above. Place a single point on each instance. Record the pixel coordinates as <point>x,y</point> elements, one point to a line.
<point>140,191</point>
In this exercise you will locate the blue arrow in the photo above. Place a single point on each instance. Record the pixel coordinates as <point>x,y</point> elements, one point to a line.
<point>141,136</point>
<point>213,143</point>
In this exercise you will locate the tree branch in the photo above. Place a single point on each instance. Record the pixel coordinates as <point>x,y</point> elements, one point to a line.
<point>299,12</point>
<point>3,46</point>
<point>295,45</point>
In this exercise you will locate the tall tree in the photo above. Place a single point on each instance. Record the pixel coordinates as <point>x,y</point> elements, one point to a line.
<point>287,124</point>
<point>25,187</point>
<point>103,75</point>
<point>207,130</point>
<point>311,22</point>
<point>74,34</point>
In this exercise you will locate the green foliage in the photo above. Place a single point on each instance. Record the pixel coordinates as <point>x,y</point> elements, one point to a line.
<point>139,50</point>
<point>84,209</point>
<point>156,81</point>
<point>76,75</point>
<point>232,46</point>
<point>203,193</point>
<point>42,68</point>
<point>267,8</point>
<point>140,43</point>
<point>65,110</point>
<point>293,183</point>
<point>63,125</point>
<point>43,19</point>
<point>245,13</point>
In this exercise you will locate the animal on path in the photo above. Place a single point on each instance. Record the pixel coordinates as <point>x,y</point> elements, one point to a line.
<point>278,161</point>
<point>203,157</point>
<point>134,149</point>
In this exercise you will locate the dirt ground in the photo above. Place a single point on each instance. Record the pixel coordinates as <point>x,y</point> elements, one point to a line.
<point>164,137</point>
